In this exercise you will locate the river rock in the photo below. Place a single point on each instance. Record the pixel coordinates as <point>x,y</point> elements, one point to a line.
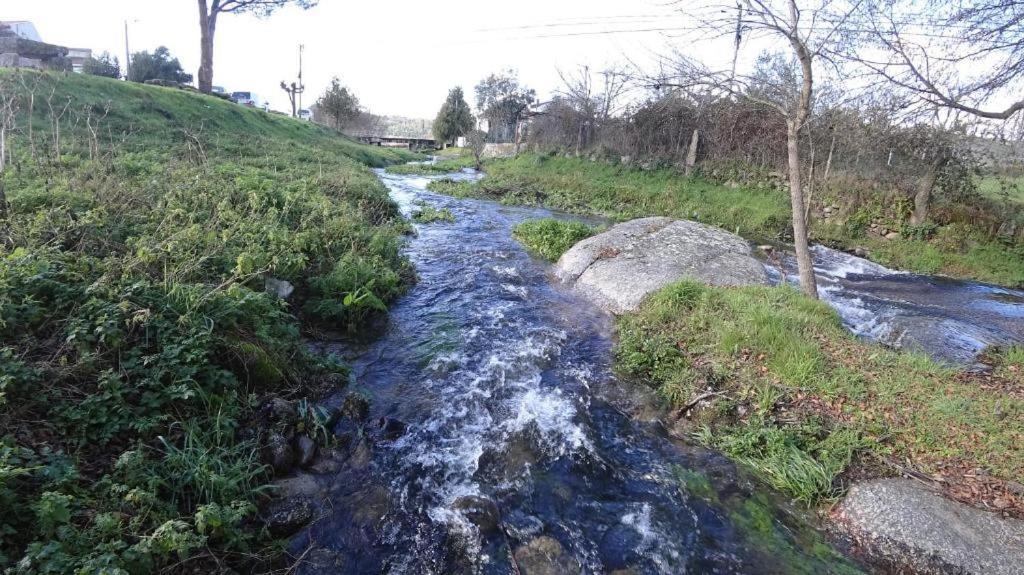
<point>481,511</point>
<point>520,526</point>
<point>620,546</point>
<point>355,407</point>
<point>392,428</point>
<point>545,556</point>
<point>279,453</point>
<point>618,268</point>
<point>901,522</point>
<point>286,516</point>
<point>306,448</point>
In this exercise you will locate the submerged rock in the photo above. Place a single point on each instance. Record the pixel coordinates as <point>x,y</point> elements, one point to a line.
<point>481,511</point>
<point>545,556</point>
<point>617,269</point>
<point>898,521</point>
<point>392,428</point>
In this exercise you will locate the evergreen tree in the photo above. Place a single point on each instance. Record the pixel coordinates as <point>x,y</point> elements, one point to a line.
<point>157,66</point>
<point>339,104</point>
<point>454,119</point>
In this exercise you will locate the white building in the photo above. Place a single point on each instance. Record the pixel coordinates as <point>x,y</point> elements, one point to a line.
<point>23,29</point>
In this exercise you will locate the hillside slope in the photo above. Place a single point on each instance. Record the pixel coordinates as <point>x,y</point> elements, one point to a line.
<point>136,334</point>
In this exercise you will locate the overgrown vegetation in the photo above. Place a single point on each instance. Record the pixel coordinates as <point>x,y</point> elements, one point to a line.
<point>445,165</point>
<point>757,210</point>
<point>430,214</point>
<point>773,379</point>
<point>136,334</point>
<point>550,238</point>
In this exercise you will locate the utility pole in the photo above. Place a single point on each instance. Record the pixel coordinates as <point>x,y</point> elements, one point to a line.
<point>296,89</point>
<point>301,87</point>
<point>127,54</point>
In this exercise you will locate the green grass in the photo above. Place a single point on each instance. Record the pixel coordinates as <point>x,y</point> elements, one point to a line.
<point>136,336</point>
<point>797,397</point>
<point>759,214</point>
<point>1009,188</point>
<point>430,214</point>
<point>623,193</point>
<point>550,238</point>
<point>443,166</point>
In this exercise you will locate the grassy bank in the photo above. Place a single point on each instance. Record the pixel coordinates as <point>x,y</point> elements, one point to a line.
<point>773,379</point>
<point>136,334</point>
<point>760,214</point>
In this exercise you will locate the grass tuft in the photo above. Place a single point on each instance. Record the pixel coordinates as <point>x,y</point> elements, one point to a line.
<point>550,238</point>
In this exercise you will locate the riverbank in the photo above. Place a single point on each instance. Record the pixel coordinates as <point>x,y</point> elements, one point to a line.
<point>760,214</point>
<point>162,254</point>
<point>776,381</point>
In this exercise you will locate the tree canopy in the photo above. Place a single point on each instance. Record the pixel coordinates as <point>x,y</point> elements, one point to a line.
<point>104,65</point>
<point>339,104</point>
<point>502,100</point>
<point>157,66</point>
<point>454,119</point>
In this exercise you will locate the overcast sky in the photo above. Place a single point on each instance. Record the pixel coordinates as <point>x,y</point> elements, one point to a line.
<point>399,56</point>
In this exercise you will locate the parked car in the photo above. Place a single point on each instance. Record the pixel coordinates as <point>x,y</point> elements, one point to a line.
<point>305,115</point>
<point>250,99</point>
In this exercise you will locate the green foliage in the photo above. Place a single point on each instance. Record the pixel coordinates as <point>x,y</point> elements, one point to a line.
<point>771,355</point>
<point>339,104</point>
<point>758,209</point>
<point>550,238</point>
<point>156,66</point>
<point>444,166</point>
<point>454,119</point>
<point>105,65</point>
<point>502,100</point>
<point>430,214</point>
<point>136,333</point>
<point>621,193</point>
<point>458,189</point>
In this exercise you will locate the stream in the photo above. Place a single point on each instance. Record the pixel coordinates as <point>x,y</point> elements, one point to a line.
<point>501,442</point>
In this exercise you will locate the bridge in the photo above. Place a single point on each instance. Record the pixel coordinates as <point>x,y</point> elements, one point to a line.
<point>407,142</point>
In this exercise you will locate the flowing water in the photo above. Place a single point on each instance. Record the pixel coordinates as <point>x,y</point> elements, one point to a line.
<point>950,320</point>
<point>502,441</point>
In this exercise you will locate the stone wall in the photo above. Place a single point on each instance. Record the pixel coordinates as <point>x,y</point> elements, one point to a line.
<point>499,151</point>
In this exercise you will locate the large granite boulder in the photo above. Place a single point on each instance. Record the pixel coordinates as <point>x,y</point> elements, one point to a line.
<point>900,522</point>
<point>617,269</point>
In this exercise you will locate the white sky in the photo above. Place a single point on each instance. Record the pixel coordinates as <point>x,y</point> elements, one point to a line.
<point>399,56</point>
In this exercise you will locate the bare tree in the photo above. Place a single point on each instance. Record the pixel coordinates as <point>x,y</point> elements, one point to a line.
<point>810,30</point>
<point>210,10</point>
<point>967,56</point>
<point>477,141</point>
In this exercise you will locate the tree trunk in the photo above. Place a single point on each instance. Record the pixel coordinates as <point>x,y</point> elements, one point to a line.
<point>923,197</point>
<point>796,199</point>
<point>207,27</point>
<point>691,154</point>
<point>828,162</point>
